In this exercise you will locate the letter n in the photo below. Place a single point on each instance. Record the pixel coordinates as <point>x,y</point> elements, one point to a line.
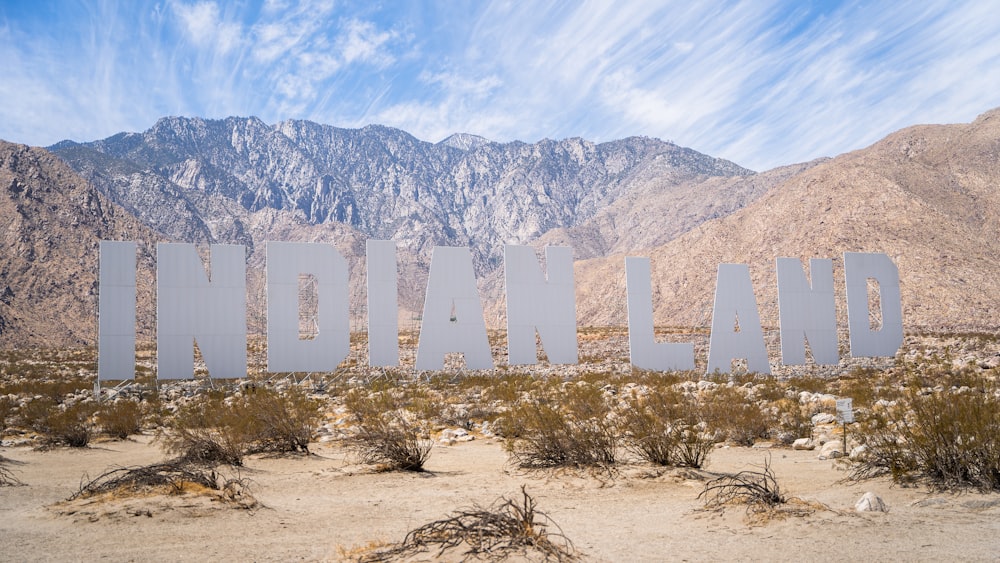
<point>195,308</point>
<point>534,304</point>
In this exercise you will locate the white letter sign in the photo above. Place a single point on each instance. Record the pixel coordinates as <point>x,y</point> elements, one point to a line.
<point>286,351</point>
<point>807,312</point>
<point>645,352</point>
<point>536,304</point>
<point>453,316</point>
<point>383,318</point>
<point>858,269</point>
<point>735,303</point>
<point>116,311</point>
<point>192,307</point>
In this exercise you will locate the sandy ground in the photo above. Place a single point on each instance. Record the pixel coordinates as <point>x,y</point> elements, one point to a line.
<point>318,505</point>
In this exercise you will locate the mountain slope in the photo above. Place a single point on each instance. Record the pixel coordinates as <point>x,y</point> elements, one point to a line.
<point>464,191</point>
<point>52,221</point>
<point>927,196</point>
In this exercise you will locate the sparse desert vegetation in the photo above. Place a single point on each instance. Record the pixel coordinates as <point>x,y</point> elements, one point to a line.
<point>928,418</point>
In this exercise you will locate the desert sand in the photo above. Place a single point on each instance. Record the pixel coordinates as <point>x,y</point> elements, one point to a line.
<point>322,506</point>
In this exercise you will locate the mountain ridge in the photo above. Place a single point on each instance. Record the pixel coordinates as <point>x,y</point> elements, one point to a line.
<point>926,195</point>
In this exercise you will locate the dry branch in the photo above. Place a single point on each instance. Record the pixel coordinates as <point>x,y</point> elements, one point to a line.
<point>758,490</point>
<point>507,528</point>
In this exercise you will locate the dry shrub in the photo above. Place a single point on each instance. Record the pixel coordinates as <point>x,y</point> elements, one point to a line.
<point>208,430</point>
<point>576,431</point>
<point>222,429</point>
<point>7,478</point>
<point>739,419</point>
<point>171,477</point>
<point>67,425</point>
<point>950,438</point>
<point>120,419</point>
<point>793,419</point>
<point>664,428</point>
<point>758,490</point>
<point>507,529</point>
<point>281,422</point>
<point>385,436</point>
<point>7,408</point>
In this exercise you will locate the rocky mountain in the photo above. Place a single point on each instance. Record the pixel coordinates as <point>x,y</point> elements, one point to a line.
<point>51,221</point>
<point>928,196</point>
<point>186,177</point>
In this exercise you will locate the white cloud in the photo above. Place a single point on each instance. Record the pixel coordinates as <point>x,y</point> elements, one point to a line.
<point>363,42</point>
<point>762,83</point>
<point>204,26</point>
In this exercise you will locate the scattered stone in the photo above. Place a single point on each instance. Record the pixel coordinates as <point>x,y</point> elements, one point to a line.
<point>870,502</point>
<point>823,418</point>
<point>803,444</point>
<point>934,502</point>
<point>981,504</point>
<point>452,435</point>
<point>832,450</point>
<point>705,385</point>
<point>858,453</point>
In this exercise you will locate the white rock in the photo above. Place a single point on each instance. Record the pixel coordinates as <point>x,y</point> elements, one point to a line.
<point>832,450</point>
<point>823,418</point>
<point>803,444</point>
<point>870,502</point>
<point>858,452</point>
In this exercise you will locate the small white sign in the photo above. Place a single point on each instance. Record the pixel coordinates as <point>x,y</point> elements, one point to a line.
<point>845,411</point>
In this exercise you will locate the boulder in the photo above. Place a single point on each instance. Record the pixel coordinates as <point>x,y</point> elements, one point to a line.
<point>803,444</point>
<point>832,450</point>
<point>823,418</point>
<point>870,502</point>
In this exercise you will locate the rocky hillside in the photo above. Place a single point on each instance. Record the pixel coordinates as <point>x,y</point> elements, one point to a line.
<point>928,196</point>
<point>187,178</point>
<point>51,221</point>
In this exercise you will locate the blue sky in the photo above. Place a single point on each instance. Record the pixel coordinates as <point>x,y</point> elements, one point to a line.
<point>760,83</point>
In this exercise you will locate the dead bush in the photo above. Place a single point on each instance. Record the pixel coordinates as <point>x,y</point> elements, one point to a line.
<point>7,478</point>
<point>734,415</point>
<point>576,431</point>
<point>7,408</point>
<point>758,490</point>
<point>221,429</point>
<point>67,425</point>
<point>793,420</point>
<point>208,430</point>
<point>120,419</point>
<point>664,428</point>
<point>508,528</point>
<point>281,422</point>
<point>171,477</point>
<point>385,436</point>
<point>950,438</point>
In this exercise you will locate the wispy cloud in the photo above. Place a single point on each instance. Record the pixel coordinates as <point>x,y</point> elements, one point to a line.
<point>763,83</point>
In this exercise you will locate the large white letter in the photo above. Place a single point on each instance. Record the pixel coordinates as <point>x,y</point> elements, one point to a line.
<point>286,351</point>
<point>383,297</point>
<point>116,311</point>
<point>191,307</point>
<point>453,314</point>
<point>536,304</point>
<point>644,351</point>
<point>858,269</point>
<point>807,312</point>
<point>735,303</point>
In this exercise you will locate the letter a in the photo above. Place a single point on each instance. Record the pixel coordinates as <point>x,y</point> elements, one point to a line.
<point>735,302</point>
